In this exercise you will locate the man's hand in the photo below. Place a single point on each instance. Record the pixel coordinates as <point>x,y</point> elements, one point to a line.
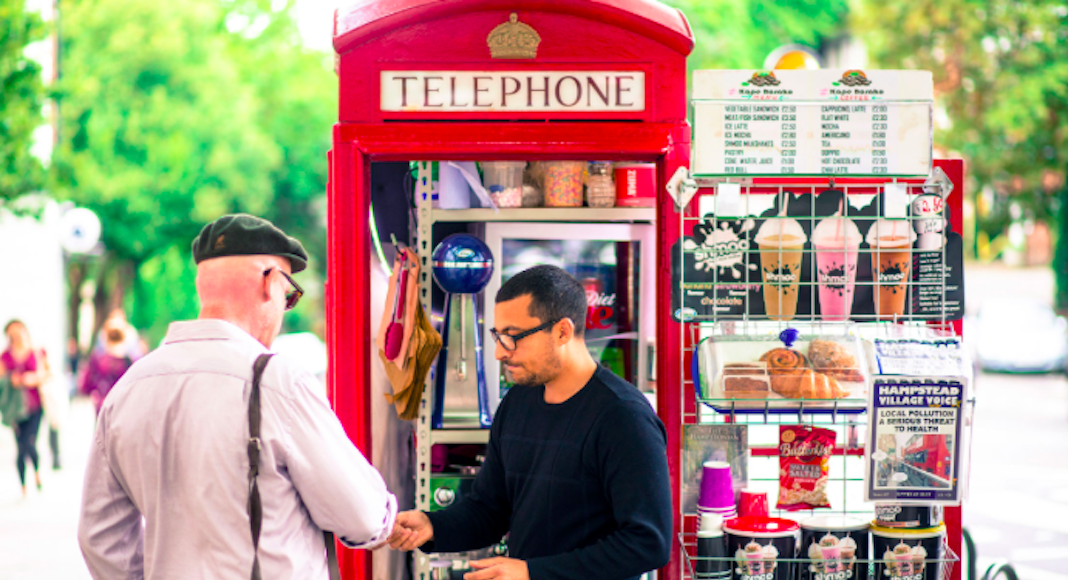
<point>411,530</point>
<point>498,569</point>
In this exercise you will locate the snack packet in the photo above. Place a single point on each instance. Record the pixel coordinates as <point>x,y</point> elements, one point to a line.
<point>804,456</point>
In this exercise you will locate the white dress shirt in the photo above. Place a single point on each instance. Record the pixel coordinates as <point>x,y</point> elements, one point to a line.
<point>166,486</point>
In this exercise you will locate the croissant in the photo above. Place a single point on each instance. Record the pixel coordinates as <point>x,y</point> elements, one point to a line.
<point>806,384</point>
<point>834,360</point>
<point>784,359</point>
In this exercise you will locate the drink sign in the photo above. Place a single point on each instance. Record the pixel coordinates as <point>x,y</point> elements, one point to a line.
<point>812,123</point>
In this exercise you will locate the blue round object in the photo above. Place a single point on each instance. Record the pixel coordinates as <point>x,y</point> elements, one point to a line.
<point>789,336</point>
<point>462,264</point>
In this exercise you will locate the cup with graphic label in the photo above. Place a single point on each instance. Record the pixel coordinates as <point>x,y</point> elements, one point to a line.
<point>891,265</point>
<point>781,241</point>
<point>836,240</point>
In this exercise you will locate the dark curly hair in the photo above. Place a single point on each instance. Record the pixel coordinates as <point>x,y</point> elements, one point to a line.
<point>554,295</point>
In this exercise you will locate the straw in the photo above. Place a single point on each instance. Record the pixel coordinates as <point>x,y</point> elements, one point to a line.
<point>838,222</point>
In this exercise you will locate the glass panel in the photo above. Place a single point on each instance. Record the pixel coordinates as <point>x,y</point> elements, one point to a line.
<point>609,271</point>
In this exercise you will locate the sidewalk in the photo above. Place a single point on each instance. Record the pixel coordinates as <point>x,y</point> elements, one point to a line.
<point>38,534</point>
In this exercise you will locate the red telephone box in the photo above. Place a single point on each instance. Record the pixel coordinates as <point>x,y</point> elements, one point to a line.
<point>431,80</point>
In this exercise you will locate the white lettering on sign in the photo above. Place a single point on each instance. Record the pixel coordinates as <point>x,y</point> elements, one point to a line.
<point>501,91</point>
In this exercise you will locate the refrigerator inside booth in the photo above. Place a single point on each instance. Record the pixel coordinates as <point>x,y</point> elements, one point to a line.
<point>614,263</point>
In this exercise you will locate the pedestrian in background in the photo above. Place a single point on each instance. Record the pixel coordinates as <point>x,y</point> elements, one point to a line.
<point>27,370</point>
<point>106,367</point>
<point>169,491</point>
<point>132,344</point>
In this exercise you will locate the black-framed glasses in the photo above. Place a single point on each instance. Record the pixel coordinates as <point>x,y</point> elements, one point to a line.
<point>508,341</point>
<point>293,296</point>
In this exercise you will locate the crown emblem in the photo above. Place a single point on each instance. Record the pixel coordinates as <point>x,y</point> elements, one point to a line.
<point>513,39</point>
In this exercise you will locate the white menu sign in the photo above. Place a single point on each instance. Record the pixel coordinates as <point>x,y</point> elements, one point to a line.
<point>812,123</point>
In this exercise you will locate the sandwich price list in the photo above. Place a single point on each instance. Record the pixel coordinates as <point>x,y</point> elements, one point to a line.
<point>759,138</point>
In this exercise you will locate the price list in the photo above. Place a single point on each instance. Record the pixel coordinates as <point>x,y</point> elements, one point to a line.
<point>837,138</point>
<point>804,128</point>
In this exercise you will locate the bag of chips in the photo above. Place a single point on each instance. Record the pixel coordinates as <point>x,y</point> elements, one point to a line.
<point>804,456</point>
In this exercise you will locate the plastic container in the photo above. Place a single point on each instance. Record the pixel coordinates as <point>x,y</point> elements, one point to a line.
<point>837,547</point>
<point>756,544</point>
<point>600,187</point>
<point>504,182</point>
<point>563,183</point>
<point>635,184</point>
<point>908,554</point>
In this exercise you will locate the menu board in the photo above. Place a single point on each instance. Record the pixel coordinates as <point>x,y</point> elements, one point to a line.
<point>812,123</point>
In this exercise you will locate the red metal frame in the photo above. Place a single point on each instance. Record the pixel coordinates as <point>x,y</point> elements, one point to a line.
<point>678,341</point>
<point>451,35</point>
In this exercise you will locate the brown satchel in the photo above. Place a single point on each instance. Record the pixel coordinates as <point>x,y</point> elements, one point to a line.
<point>255,509</point>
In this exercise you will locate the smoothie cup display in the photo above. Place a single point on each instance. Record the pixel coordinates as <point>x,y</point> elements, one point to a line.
<point>781,241</point>
<point>891,265</point>
<point>836,240</point>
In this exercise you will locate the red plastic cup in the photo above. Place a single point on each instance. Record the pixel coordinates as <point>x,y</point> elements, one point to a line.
<point>753,503</point>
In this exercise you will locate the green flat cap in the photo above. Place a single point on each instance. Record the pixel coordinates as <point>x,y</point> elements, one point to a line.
<point>240,234</point>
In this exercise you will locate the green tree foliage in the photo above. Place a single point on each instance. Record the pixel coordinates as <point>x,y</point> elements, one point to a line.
<point>21,96</point>
<point>741,33</point>
<point>1001,74</point>
<point>174,113</point>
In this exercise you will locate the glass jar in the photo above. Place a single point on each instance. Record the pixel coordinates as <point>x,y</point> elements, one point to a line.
<point>600,187</point>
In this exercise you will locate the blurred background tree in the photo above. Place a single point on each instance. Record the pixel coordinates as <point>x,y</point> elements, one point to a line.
<point>1001,84</point>
<point>21,96</point>
<point>173,114</point>
<point>741,33</point>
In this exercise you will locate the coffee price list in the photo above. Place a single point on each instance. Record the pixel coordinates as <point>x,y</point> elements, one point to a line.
<point>809,126</point>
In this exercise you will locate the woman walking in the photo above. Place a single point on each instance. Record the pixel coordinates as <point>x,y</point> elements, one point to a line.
<point>27,369</point>
<point>106,366</point>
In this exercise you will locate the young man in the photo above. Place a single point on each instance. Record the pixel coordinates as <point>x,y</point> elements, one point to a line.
<point>576,467</point>
<point>167,485</point>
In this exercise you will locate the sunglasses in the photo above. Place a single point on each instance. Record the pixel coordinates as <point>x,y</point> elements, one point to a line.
<point>293,296</point>
<point>508,341</point>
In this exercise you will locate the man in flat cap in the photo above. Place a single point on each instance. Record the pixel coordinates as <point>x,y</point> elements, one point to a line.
<point>171,489</point>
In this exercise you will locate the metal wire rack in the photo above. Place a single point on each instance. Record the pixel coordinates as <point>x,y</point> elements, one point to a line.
<point>689,550</point>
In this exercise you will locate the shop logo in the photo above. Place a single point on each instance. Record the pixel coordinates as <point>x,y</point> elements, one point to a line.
<point>853,78</point>
<point>905,562</point>
<point>685,314</point>
<point>600,309</point>
<point>513,39</point>
<point>833,558</point>
<point>756,562</point>
<point>722,249</point>
<point>762,79</point>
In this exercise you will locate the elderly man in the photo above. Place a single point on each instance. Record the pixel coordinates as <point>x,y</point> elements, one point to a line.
<point>167,488</point>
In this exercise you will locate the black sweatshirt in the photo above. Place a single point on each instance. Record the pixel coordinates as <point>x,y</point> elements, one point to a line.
<point>582,485</point>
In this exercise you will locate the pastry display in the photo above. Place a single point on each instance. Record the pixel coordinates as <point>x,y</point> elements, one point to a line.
<point>746,380</point>
<point>817,373</point>
<point>835,360</point>
<point>793,378</point>
<point>784,359</point>
<point>806,384</point>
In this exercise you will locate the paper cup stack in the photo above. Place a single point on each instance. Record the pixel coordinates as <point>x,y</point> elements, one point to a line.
<point>717,491</point>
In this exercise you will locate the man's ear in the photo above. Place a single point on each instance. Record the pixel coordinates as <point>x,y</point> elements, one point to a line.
<point>265,285</point>
<point>565,330</point>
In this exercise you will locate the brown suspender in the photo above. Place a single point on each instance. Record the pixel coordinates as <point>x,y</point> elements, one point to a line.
<point>255,508</point>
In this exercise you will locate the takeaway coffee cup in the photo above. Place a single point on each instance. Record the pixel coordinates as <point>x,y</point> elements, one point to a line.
<point>717,491</point>
<point>896,515</point>
<point>904,554</point>
<point>833,545</point>
<point>781,241</point>
<point>712,562</point>
<point>757,543</point>
<point>836,240</point>
<point>891,265</point>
